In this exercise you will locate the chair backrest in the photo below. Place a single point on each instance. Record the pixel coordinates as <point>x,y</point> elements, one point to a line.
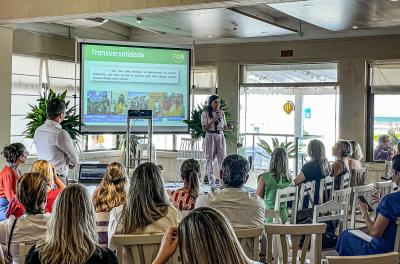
<point>387,258</point>
<point>383,188</point>
<point>325,186</point>
<point>342,195</point>
<point>102,220</point>
<point>397,240</point>
<point>306,189</point>
<point>345,181</point>
<point>366,191</point>
<point>191,149</point>
<point>288,194</point>
<point>331,210</point>
<point>139,249</point>
<point>296,232</point>
<point>274,214</point>
<point>23,251</point>
<point>249,239</point>
<point>142,153</point>
<point>358,177</point>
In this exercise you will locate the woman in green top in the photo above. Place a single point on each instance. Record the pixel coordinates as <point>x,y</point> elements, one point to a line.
<point>276,178</point>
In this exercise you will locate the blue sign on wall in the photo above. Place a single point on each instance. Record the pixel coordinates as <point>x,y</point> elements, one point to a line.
<point>307,113</point>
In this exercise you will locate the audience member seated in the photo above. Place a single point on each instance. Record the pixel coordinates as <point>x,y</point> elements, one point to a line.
<point>356,156</point>
<point>241,208</point>
<point>276,178</point>
<point>185,197</point>
<point>382,229</point>
<point>147,209</point>
<point>15,155</point>
<point>384,150</point>
<point>315,169</point>
<point>111,192</point>
<point>55,185</point>
<point>71,235</point>
<point>204,236</point>
<point>31,227</point>
<point>341,150</point>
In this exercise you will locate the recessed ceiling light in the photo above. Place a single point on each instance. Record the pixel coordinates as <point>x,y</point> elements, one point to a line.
<point>139,20</point>
<point>209,36</point>
<point>354,27</point>
<point>202,14</point>
<point>307,5</point>
<point>394,0</point>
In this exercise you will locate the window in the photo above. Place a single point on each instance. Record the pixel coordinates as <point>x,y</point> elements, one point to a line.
<point>383,111</point>
<point>298,99</point>
<point>25,91</point>
<point>31,77</point>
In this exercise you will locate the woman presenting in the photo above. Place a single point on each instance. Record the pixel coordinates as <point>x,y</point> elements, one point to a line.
<point>214,123</point>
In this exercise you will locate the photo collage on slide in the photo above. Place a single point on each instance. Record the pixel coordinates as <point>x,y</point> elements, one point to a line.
<point>164,105</point>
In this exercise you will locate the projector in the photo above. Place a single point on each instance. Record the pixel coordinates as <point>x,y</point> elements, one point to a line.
<point>140,113</point>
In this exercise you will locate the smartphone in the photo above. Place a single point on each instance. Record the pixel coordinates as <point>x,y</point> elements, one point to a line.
<point>362,199</point>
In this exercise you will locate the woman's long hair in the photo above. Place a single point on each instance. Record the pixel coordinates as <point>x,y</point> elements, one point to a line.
<point>278,166</point>
<point>316,150</point>
<point>111,192</point>
<point>211,99</point>
<point>147,200</point>
<point>190,170</point>
<point>45,168</point>
<point>343,148</point>
<point>205,236</point>
<point>71,236</point>
<point>356,150</point>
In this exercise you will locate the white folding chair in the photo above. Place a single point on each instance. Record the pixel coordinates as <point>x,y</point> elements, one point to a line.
<point>366,191</point>
<point>331,210</point>
<point>383,188</point>
<point>306,189</point>
<point>345,181</point>
<point>326,185</point>
<point>249,239</point>
<point>397,239</point>
<point>139,249</point>
<point>295,233</point>
<point>102,220</point>
<point>342,195</point>
<point>288,194</point>
<point>387,258</point>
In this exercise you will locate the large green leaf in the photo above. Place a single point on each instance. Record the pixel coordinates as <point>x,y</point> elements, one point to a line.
<point>38,116</point>
<point>289,147</point>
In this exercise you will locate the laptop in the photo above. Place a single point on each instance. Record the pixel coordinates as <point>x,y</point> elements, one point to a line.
<point>91,173</point>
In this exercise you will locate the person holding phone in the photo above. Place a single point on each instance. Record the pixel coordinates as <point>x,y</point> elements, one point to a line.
<point>214,123</point>
<point>382,230</point>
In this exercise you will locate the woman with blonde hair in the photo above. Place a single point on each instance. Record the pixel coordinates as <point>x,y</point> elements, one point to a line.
<point>276,178</point>
<point>185,197</point>
<point>147,209</point>
<point>204,237</point>
<point>55,185</point>
<point>111,192</point>
<point>356,155</point>
<point>71,235</point>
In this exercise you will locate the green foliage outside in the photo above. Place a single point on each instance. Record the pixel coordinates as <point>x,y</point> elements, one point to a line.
<point>289,147</point>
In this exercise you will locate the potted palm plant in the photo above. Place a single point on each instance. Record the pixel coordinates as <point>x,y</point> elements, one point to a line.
<point>38,116</point>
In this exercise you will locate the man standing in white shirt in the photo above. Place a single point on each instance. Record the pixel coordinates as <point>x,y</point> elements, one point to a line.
<point>54,143</point>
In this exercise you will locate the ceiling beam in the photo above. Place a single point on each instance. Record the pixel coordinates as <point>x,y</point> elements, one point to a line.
<point>22,11</point>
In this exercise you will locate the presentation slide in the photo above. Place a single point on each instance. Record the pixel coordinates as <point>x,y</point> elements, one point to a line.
<point>115,79</point>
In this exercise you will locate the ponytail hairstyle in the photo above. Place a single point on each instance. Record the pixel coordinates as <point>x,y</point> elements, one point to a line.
<point>278,166</point>
<point>13,152</point>
<point>190,170</point>
<point>316,150</point>
<point>211,99</point>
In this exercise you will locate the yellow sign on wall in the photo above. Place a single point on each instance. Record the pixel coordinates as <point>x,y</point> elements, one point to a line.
<point>288,107</point>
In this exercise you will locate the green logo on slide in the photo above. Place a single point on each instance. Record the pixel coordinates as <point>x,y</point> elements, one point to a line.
<point>178,57</point>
